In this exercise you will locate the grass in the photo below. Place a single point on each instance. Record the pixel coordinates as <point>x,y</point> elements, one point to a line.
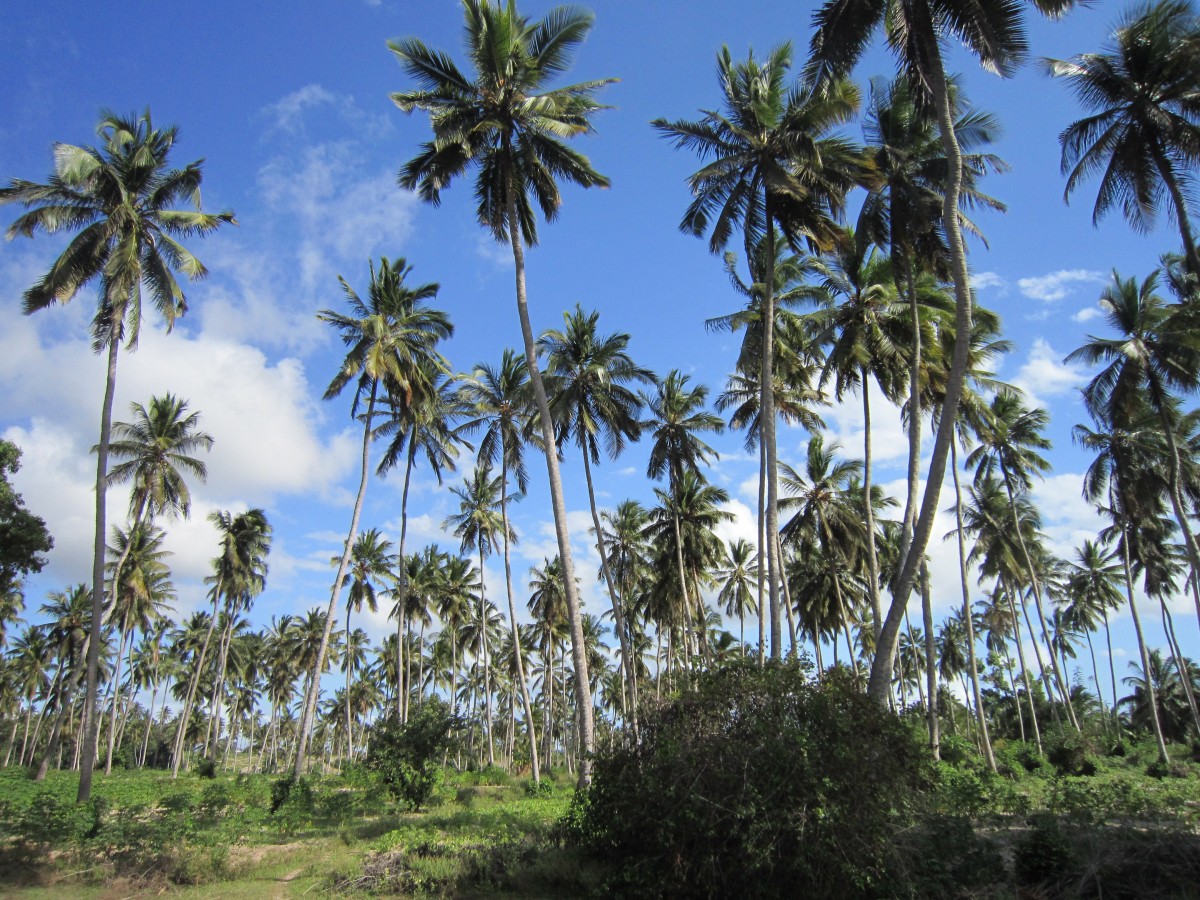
<point>484,835</point>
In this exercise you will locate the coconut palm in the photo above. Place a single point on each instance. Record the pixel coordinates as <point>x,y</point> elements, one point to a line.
<point>1009,442</point>
<point>736,589</point>
<point>392,341</point>
<point>590,377</point>
<point>500,398</point>
<point>118,199</point>
<point>478,524</point>
<point>428,424</point>
<point>1143,136</point>
<point>239,572</point>
<point>511,126</point>
<point>1115,482</point>
<point>371,563</point>
<point>1151,358</point>
<point>1093,588</point>
<point>68,627</point>
<point>918,31</point>
<point>771,162</point>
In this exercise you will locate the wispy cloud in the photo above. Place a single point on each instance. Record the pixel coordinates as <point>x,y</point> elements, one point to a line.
<point>1044,374</point>
<point>984,280</point>
<point>1057,285</point>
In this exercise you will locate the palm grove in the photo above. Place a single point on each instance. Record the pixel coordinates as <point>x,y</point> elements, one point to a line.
<point>850,268</point>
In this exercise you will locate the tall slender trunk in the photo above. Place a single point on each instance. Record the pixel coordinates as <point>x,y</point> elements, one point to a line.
<point>112,721</point>
<point>1036,584</point>
<point>935,740</point>
<point>1141,640</point>
<point>923,530</point>
<point>1037,732</point>
<point>767,428</point>
<point>583,689</point>
<point>314,686</point>
<point>869,512</point>
<point>763,603</point>
<point>212,728</point>
<point>194,684</point>
<point>402,589</point>
<point>485,661</point>
<point>96,631</point>
<point>981,719</point>
<point>518,651</point>
<point>629,712</point>
<point>1180,662</point>
<point>1179,201</point>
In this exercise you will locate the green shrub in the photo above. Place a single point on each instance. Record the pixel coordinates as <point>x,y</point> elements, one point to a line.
<point>1043,855</point>
<point>51,819</point>
<point>207,767</point>
<point>756,777</point>
<point>408,756</point>
<point>1070,753</point>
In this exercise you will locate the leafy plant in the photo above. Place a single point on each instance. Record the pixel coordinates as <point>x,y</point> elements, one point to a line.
<point>408,756</point>
<point>755,777</point>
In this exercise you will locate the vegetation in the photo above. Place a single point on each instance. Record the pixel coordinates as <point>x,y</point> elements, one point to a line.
<point>967,757</point>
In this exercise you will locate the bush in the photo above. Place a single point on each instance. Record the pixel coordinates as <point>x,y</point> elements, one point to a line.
<point>207,767</point>
<point>1070,753</point>
<point>408,756</point>
<point>756,777</point>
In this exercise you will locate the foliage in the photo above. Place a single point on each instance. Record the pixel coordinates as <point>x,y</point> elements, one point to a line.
<point>23,536</point>
<point>758,777</point>
<point>1070,752</point>
<point>408,756</point>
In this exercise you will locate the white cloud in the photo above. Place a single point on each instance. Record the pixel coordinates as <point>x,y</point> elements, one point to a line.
<point>1057,285</point>
<point>983,280</point>
<point>1045,375</point>
<point>1087,314</point>
<point>288,113</point>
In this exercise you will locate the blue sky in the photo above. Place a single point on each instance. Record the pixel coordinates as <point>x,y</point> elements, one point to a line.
<point>288,104</point>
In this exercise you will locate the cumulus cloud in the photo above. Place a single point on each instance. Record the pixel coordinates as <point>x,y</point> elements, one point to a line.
<point>1045,375</point>
<point>1057,285</point>
<point>1087,314</point>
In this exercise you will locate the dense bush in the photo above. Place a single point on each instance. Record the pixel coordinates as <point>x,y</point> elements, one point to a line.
<point>408,756</point>
<point>756,777</point>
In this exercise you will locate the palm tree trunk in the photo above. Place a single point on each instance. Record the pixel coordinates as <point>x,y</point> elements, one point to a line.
<point>349,673</point>
<point>628,711</point>
<point>935,741</point>
<point>402,589</point>
<point>149,724</point>
<point>869,512</point>
<point>112,721</point>
<point>763,604</point>
<point>1180,661</point>
<point>1035,584</point>
<point>193,684</point>
<point>518,651</point>
<point>767,426</point>
<point>1178,200</point>
<point>96,631</point>
<point>218,696</point>
<point>314,687</point>
<point>52,740</point>
<point>980,718</point>
<point>583,691</point>
<point>485,661</point>
<point>1037,732</point>
<point>885,653</point>
<point>1137,627</point>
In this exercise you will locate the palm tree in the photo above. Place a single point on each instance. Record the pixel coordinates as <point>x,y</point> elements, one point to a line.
<point>917,30</point>
<point>239,571</point>
<point>156,448</point>
<point>677,414</point>
<point>500,398</point>
<point>1116,483</point>
<point>508,124</point>
<point>735,584</point>
<point>118,198</point>
<point>771,162</point>
<point>142,588</point>
<point>478,524</point>
<point>1093,588</point>
<point>392,344</point>
<point>1009,442</point>
<point>1143,137</point>
<point>1151,358</point>
<point>428,424</point>
<point>371,561</point>
<point>68,628</point>
<point>591,399</point>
